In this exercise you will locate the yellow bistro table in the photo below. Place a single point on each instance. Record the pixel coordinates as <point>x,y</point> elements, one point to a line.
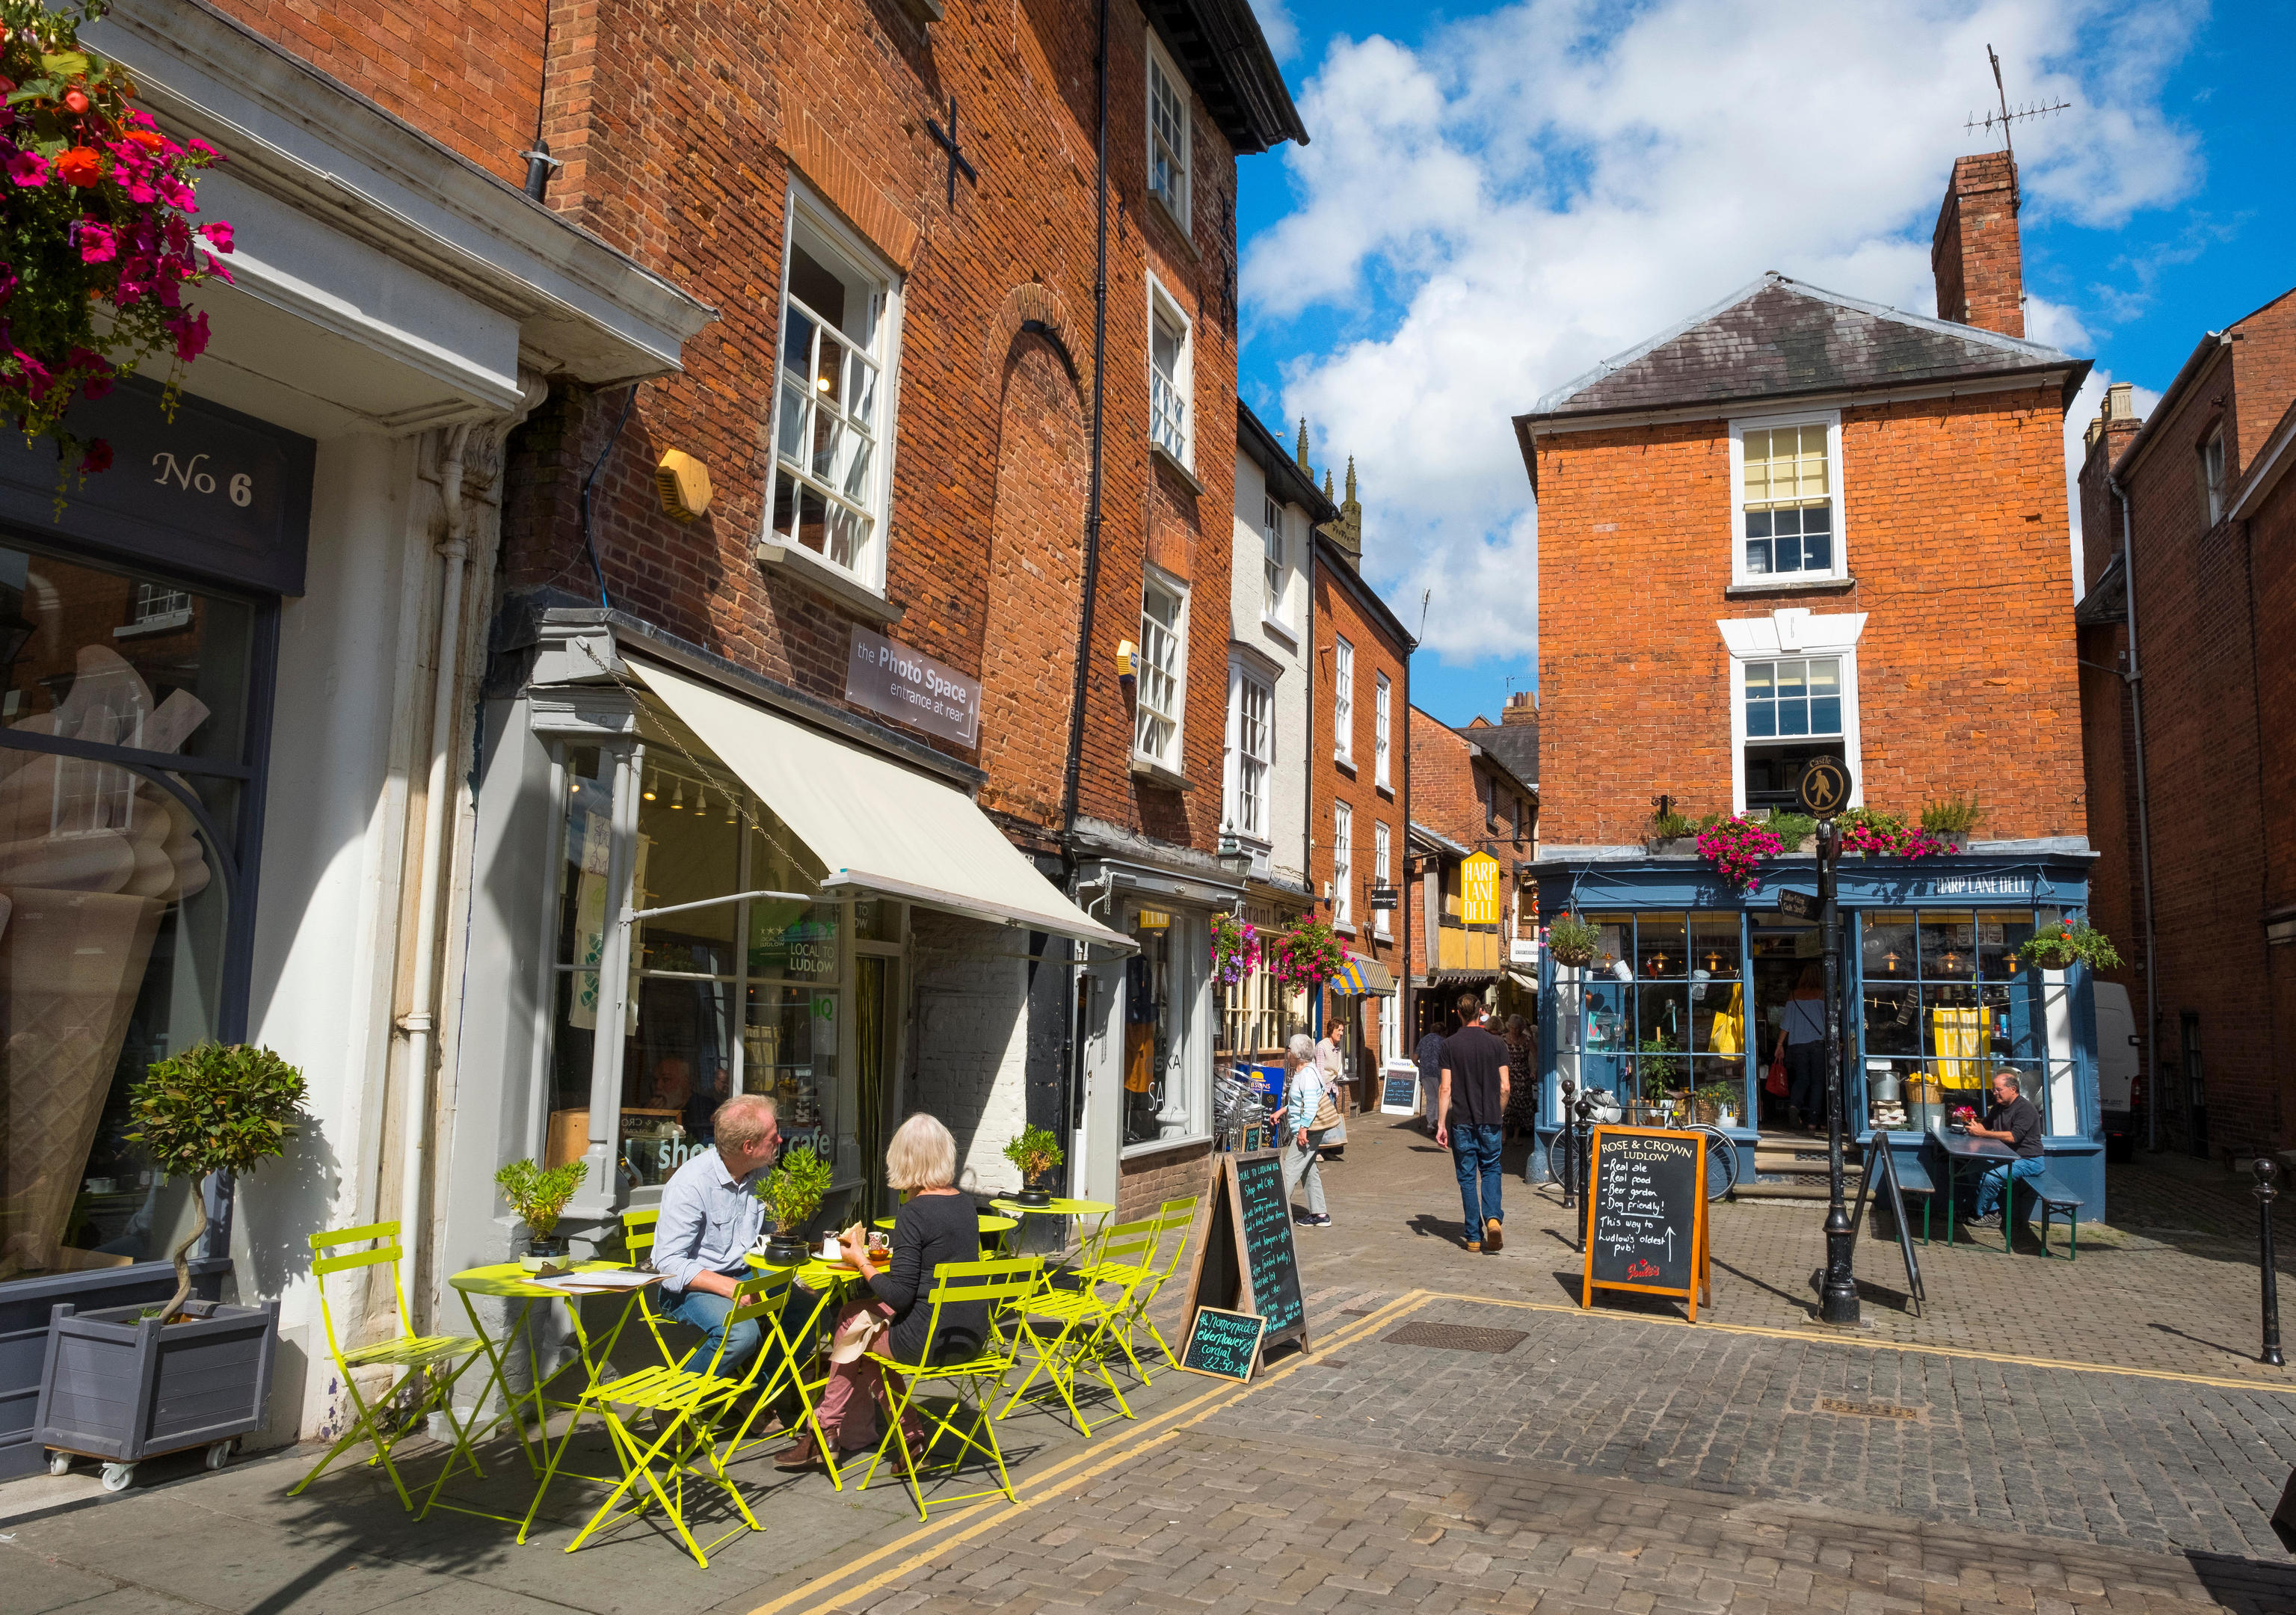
<point>998,1227</point>
<point>1057,1207</point>
<point>508,1280</point>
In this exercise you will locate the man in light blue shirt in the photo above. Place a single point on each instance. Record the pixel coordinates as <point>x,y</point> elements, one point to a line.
<point>709,1220</point>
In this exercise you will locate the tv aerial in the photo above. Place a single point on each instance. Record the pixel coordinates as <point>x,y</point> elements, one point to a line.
<point>2006,116</point>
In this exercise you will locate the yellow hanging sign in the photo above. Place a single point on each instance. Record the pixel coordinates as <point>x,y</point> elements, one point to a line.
<point>1479,889</point>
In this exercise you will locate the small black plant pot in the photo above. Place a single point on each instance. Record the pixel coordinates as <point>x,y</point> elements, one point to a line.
<point>1033,1197</point>
<point>786,1250</point>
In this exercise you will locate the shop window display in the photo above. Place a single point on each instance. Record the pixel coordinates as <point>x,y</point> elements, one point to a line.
<point>115,907</point>
<point>1148,1010</point>
<point>1946,1002</point>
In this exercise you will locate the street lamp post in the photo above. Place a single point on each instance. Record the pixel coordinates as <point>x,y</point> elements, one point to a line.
<point>2268,1174</point>
<point>1838,1295</point>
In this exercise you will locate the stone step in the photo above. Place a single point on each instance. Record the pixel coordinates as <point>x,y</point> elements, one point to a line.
<point>1807,1188</point>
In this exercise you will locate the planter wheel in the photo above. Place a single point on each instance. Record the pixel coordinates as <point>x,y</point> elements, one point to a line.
<point>58,1464</point>
<point>219,1454</point>
<point>116,1476</point>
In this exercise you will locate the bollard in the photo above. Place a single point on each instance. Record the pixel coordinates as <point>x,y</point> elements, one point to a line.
<point>2268,1172</point>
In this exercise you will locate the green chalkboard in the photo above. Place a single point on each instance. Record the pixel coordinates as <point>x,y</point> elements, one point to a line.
<point>1243,1259</point>
<point>1223,1344</point>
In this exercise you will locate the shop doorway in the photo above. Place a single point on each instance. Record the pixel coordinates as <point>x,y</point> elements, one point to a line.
<point>872,1053</point>
<point>1780,950</point>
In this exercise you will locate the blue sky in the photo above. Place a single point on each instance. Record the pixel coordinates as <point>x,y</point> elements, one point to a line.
<point>1496,197</point>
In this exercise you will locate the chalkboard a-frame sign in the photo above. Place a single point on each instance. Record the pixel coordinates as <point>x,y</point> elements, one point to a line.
<point>1244,1260</point>
<point>1646,1215</point>
<point>1223,1344</point>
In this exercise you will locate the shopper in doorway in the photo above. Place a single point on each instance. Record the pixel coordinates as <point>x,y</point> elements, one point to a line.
<point>1473,1102</point>
<point>1309,1114</point>
<point>1801,1044</point>
<point>1522,1093</point>
<point>1430,1056</point>
<point>2015,1120</point>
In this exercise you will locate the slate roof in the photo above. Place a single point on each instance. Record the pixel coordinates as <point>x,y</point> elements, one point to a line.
<point>1514,747</point>
<point>1779,338</point>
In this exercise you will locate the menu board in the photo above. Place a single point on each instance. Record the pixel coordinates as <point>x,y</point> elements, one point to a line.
<point>1224,1345</point>
<point>1399,1090</point>
<point>1646,1215</point>
<point>1244,1260</point>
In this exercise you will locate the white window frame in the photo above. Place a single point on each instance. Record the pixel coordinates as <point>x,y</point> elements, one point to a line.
<point>1343,867</point>
<point>1830,419</point>
<point>2213,478</point>
<point>1180,115</point>
<point>1343,702</point>
<point>805,213</point>
<point>1243,767</point>
<point>1380,731</point>
<point>1382,851</point>
<point>1156,578</point>
<point>1172,399</point>
<point>1794,633</point>
<point>1272,552</point>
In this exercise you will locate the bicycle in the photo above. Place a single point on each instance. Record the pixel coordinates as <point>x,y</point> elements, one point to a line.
<point>1721,1159</point>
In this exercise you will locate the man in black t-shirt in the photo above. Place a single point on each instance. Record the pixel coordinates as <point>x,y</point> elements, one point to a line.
<point>2016,1121</point>
<point>1470,1107</point>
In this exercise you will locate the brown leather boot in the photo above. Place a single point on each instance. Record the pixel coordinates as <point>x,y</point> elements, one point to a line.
<point>805,1455</point>
<point>1493,1236</point>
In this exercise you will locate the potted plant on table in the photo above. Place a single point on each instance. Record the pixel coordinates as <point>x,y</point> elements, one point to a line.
<point>537,1195</point>
<point>1035,1152</point>
<point>123,1383</point>
<point>794,1189</point>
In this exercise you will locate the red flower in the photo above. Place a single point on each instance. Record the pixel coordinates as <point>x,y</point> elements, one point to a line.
<point>76,101</point>
<point>151,140</point>
<point>82,166</point>
<point>98,457</point>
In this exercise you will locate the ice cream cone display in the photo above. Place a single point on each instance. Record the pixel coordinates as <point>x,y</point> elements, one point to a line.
<point>93,860</point>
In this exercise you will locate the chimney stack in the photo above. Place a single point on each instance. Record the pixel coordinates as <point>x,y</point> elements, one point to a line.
<point>1522,708</point>
<point>1975,253</point>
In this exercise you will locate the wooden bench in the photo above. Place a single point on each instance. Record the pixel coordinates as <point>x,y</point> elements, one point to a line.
<point>2054,1195</point>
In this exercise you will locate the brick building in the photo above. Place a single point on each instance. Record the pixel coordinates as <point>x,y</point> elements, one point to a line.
<point>1359,791</point>
<point>561,603</point>
<point>1474,791</point>
<point>1797,525</point>
<point>2186,517</point>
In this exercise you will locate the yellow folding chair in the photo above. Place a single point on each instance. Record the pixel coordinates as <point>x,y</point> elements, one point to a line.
<point>440,1359</point>
<point>637,1239</point>
<point>687,1442</point>
<point>974,1383</point>
<point>1081,1318</point>
<point>1146,1278</point>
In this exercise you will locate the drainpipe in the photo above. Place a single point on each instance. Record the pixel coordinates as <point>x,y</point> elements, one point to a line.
<point>2134,678</point>
<point>420,1023</point>
<point>1072,1050</point>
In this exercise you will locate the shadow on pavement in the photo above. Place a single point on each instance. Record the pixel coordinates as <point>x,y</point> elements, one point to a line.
<point>2246,1586</point>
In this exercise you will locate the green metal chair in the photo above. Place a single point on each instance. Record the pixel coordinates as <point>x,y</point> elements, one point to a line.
<point>1147,1279</point>
<point>439,1359</point>
<point>1083,1319</point>
<point>638,1239</point>
<point>974,1382</point>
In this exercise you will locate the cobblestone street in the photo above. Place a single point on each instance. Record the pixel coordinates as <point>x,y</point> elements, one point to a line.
<point>1463,1437</point>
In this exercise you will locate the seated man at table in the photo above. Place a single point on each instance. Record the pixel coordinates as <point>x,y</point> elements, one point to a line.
<point>2016,1121</point>
<point>710,1219</point>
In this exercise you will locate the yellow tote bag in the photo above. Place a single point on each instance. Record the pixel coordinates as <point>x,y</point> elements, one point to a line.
<point>1728,1034</point>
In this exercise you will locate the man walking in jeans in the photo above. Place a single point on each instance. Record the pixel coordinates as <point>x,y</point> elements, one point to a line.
<point>1469,1110</point>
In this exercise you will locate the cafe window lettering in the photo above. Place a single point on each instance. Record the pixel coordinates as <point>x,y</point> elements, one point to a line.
<point>722,997</point>
<point>120,941</point>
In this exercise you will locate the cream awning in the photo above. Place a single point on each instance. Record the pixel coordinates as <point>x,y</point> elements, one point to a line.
<point>876,826</point>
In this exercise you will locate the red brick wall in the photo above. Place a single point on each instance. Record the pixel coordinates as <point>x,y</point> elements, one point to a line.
<point>1974,252</point>
<point>680,139</point>
<point>2272,549</point>
<point>468,73</point>
<point>1956,536</point>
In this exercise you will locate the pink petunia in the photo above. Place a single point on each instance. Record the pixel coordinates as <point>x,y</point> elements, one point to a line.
<point>98,457</point>
<point>219,233</point>
<point>29,168</point>
<point>96,245</point>
<point>191,335</point>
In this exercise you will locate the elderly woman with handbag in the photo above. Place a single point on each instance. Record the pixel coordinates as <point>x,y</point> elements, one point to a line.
<point>1309,1114</point>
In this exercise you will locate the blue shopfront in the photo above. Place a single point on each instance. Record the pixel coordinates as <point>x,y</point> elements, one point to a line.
<point>1681,1009</point>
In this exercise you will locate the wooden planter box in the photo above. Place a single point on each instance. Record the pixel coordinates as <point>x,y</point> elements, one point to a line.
<point>122,1387</point>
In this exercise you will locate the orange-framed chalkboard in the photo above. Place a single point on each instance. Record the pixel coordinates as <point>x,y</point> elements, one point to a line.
<point>1646,1215</point>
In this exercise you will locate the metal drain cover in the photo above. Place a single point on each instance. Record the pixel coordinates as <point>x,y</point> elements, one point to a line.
<point>1456,1337</point>
<point>1868,1410</point>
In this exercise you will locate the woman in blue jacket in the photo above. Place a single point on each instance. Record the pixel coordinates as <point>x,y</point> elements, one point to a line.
<point>1303,1096</point>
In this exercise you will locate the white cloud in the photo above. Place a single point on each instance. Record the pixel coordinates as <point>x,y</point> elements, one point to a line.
<point>1486,216</point>
<point>1275,24</point>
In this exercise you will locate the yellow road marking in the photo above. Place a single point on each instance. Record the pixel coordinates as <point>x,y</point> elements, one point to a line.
<point>1813,1336</point>
<point>1035,1490</point>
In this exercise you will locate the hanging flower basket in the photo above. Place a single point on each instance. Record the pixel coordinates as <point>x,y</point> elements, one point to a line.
<point>1572,940</point>
<point>1306,955</point>
<point>97,230</point>
<point>2056,947</point>
<point>1736,848</point>
<point>1236,949</point>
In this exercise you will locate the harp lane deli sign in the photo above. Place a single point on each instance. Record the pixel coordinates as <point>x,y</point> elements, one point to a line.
<point>912,687</point>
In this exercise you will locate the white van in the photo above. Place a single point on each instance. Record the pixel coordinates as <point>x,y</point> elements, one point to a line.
<point>2117,1054</point>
